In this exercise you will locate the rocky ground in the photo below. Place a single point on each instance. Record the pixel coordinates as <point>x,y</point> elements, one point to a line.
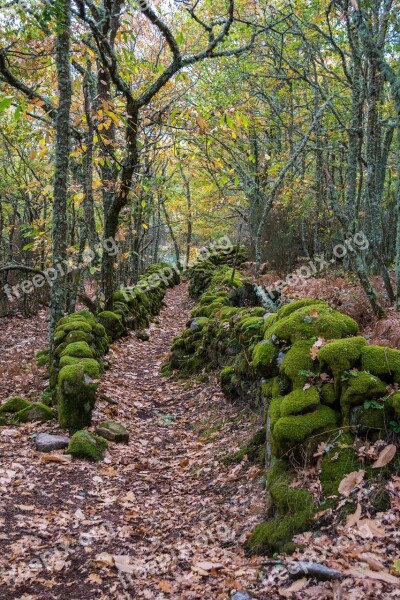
<point>163,516</point>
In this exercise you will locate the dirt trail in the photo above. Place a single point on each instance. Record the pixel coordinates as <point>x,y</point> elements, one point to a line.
<point>162,517</point>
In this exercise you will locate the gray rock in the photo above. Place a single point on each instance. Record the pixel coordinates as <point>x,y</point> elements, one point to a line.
<point>115,432</point>
<point>46,442</point>
<point>242,596</point>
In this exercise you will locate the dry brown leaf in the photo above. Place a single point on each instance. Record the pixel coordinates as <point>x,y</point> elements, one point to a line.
<point>296,586</point>
<point>165,586</point>
<point>208,566</point>
<point>25,506</point>
<point>57,458</point>
<point>352,519</point>
<point>381,576</point>
<point>370,529</point>
<point>350,481</point>
<point>122,562</point>
<point>104,559</point>
<point>93,578</point>
<point>372,561</point>
<point>385,456</point>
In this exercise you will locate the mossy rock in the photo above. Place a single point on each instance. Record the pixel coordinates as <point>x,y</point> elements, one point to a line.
<point>293,430</point>
<point>312,321</point>
<point>76,397</point>
<point>99,330</point>
<point>297,363</point>
<point>78,350</point>
<point>143,336</point>
<point>328,394</point>
<point>336,464</point>
<point>251,327</point>
<point>299,402</point>
<point>296,507</point>
<point>382,362</point>
<point>365,421</point>
<point>79,336</point>
<point>34,412</point>
<point>341,355</point>
<point>59,335</point>
<point>115,432</point>
<point>198,324</point>
<point>290,308</point>
<point>276,386</point>
<point>75,325</point>
<point>395,402</point>
<point>274,411</point>
<point>86,445</point>
<point>264,358</point>
<point>113,324</point>
<point>14,404</point>
<point>359,387</point>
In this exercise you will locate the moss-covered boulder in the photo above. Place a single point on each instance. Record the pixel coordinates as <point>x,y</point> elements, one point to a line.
<point>113,324</point>
<point>359,387</point>
<point>76,397</point>
<point>381,361</point>
<point>78,350</point>
<point>264,358</point>
<point>297,364</point>
<point>34,412</point>
<point>114,432</point>
<point>293,430</point>
<point>341,355</point>
<point>300,402</point>
<point>86,445</point>
<point>14,405</point>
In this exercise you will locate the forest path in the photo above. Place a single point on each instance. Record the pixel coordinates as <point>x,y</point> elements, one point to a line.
<point>161,517</point>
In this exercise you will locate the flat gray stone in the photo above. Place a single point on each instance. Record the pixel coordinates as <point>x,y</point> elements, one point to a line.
<point>45,442</point>
<point>242,596</point>
<point>115,432</point>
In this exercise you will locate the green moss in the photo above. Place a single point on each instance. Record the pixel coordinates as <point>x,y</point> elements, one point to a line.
<point>312,321</point>
<point>264,358</point>
<point>250,327</point>
<point>42,358</point>
<point>381,361</point>
<point>79,336</point>
<point>78,349</point>
<point>14,404</point>
<point>292,430</point>
<point>328,394</point>
<point>341,355</point>
<point>297,363</point>
<point>360,386</point>
<point>99,330</point>
<point>299,402</point>
<point>59,335</point>
<point>338,462</point>
<point>34,412</point>
<point>367,420</point>
<point>274,411</point>
<point>86,445</point>
<point>74,325</point>
<point>112,323</point>
<point>290,308</point>
<point>76,397</point>
<point>395,401</point>
<point>295,507</point>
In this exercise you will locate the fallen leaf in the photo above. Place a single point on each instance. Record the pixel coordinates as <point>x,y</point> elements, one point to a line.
<point>381,576</point>
<point>93,578</point>
<point>25,506</point>
<point>104,559</point>
<point>385,456</point>
<point>57,458</point>
<point>352,519</point>
<point>295,587</point>
<point>165,586</point>
<point>350,481</point>
<point>370,529</point>
<point>122,562</point>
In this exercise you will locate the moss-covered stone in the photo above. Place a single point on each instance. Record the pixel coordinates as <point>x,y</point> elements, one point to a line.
<point>113,324</point>
<point>86,445</point>
<point>341,355</point>
<point>365,421</point>
<point>338,462</point>
<point>297,363</point>
<point>42,358</point>
<point>14,405</point>
<point>78,350</point>
<point>312,321</point>
<point>264,358</point>
<point>76,397</point>
<point>382,362</point>
<point>115,432</point>
<point>299,402</point>
<point>79,336</point>
<point>328,394</point>
<point>290,308</point>
<point>359,387</point>
<point>293,430</point>
<point>74,325</point>
<point>34,412</point>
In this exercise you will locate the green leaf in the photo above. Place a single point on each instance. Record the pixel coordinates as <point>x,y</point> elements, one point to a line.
<point>5,103</point>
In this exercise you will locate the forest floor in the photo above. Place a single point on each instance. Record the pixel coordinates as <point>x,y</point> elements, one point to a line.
<point>163,516</point>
